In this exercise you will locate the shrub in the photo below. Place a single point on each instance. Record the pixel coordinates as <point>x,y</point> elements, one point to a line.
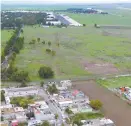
<point>46,72</point>
<point>95,104</point>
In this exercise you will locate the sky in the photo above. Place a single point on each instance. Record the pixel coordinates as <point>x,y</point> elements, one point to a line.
<point>65,1</point>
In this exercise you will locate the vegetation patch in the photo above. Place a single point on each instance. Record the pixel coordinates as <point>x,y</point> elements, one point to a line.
<point>115,82</point>
<point>71,46</point>
<point>76,119</point>
<point>22,101</point>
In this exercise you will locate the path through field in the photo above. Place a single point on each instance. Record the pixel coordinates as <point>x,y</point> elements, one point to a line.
<point>114,108</point>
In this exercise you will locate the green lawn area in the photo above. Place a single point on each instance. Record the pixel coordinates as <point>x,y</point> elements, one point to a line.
<point>76,44</point>
<point>5,36</point>
<point>84,116</point>
<point>91,19</point>
<point>115,82</point>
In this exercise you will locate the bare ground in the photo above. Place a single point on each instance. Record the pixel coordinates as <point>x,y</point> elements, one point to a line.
<point>113,107</point>
<point>99,68</point>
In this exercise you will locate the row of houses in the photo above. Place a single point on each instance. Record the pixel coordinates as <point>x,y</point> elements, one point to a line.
<point>45,109</point>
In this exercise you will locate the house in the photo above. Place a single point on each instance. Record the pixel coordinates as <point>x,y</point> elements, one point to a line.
<point>66,83</point>
<point>34,122</point>
<point>98,122</point>
<point>41,111</point>
<point>20,114</point>
<point>7,112</point>
<point>4,123</point>
<point>65,103</point>
<point>13,113</point>
<point>14,123</point>
<point>77,94</point>
<point>17,92</point>
<point>53,22</point>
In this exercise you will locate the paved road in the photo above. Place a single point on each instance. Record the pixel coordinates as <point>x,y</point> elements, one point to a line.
<point>54,108</point>
<point>5,64</point>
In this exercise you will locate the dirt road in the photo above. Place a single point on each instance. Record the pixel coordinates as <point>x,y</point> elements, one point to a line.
<point>114,108</point>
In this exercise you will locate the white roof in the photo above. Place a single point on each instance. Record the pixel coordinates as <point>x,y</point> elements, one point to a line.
<point>6,106</point>
<point>106,121</point>
<point>65,102</point>
<point>18,109</point>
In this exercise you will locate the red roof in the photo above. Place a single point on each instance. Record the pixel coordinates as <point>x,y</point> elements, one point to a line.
<point>15,123</point>
<point>75,92</point>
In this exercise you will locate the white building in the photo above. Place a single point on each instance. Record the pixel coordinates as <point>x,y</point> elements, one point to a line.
<point>71,21</point>
<point>65,103</point>
<point>98,122</point>
<point>53,22</point>
<point>16,92</point>
<point>41,111</point>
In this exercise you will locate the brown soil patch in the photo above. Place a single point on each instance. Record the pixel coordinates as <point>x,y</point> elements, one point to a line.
<point>113,107</point>
<point>99,68</point>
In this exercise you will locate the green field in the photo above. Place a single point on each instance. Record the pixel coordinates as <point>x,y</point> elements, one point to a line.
<point>115,82</point>
<point>77,44</point>
<point>91,19</point>
<point>5,36</point>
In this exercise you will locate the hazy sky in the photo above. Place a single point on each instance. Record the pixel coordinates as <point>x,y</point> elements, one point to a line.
<point>65,1</point>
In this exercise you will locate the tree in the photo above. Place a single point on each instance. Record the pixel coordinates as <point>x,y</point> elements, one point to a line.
<point>2,118</point>
<point>95,104</point>
<point>45,123</point>
<point>23,84</point>
<point>48,50</point>
<point>2,95</point>
<point>49,43</point>
<point>46,72</point>
<point>33,41</point>
<point>62,124</point>
<point>84,25</point>
<point>22,31</point>
<point>53,53</point>
<point>95,25</point>
<point>38,39</point>
<point>52,89</point>
<point>22,124</point>
<point>22,101</point>
<point>41,83</point>
<point>49,23</point>
<point>56,116</point>
<point>68,111</point>
<point>43,42</point>
<point>20,76</point>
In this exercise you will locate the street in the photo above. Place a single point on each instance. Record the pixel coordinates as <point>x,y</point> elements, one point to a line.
<point>53,107</point>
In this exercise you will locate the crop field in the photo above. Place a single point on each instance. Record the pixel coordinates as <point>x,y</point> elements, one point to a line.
<point>5,36</point>
<point>82,51</point>
<point>115,82</point>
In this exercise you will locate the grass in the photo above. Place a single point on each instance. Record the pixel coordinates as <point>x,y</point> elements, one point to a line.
<point>84,116</point>
<point>91,19</point>
<point>115,82</point>
<point>5,36</point>
<point>76,44</point>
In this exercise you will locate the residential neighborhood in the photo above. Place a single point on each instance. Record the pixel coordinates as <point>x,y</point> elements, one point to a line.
<point>56,106</point>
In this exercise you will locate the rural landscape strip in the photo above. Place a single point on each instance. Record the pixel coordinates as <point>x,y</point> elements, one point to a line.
<point>99,52</point>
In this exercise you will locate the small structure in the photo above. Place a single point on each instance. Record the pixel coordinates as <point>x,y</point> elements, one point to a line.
<point>13,113</point>
<point>17,92</point>
<point>53,22</point>
<point>41,111</point>
<point>98,122</point>
<point>14,123</point>
<point>4,123</point>
<point>20,114</point>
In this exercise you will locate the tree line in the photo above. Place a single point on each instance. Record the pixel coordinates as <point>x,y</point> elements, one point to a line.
<point>13,46</point>
<point>16,19</point>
